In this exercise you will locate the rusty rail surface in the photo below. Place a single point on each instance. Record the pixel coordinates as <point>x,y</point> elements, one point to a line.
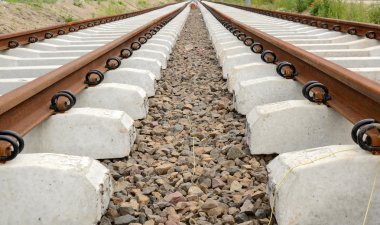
<point>27,106</point>
<point>14,40</point>
<point>355,97</point>
<point>371,31</point>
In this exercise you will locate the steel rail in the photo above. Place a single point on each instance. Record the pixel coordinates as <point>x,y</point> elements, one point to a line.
<point>352,95</point>
<point>368,30</point>
<point>24,108</point>
<point>14,40</point>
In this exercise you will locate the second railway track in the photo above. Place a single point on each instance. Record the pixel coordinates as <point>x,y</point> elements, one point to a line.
<point>282,73</point>
<point>73,93</point>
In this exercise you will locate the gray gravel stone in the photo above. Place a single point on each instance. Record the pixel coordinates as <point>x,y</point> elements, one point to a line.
<point>241,218</point>
<point>260,213</point>
<point>124,220</point>
<point>167,181</point>
<point>235,152</point>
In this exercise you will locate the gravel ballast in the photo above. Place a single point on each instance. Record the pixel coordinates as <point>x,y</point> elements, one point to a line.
<point>190,163</point>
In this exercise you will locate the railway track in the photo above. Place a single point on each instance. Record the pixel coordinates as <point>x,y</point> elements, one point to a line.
<point>73,93</point>
<point>325,63</point>
<point>76,90</point>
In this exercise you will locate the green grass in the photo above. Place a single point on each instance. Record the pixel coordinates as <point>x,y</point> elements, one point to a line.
<point>374,15</point>
<point>69,19</point>
<point>338,9</point>
<point>341,10</point>
<point>78,3</point>
<point>114,7</point>
<point>142,3</point>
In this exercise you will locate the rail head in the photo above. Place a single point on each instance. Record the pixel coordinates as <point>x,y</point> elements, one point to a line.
<point>355,97</point>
